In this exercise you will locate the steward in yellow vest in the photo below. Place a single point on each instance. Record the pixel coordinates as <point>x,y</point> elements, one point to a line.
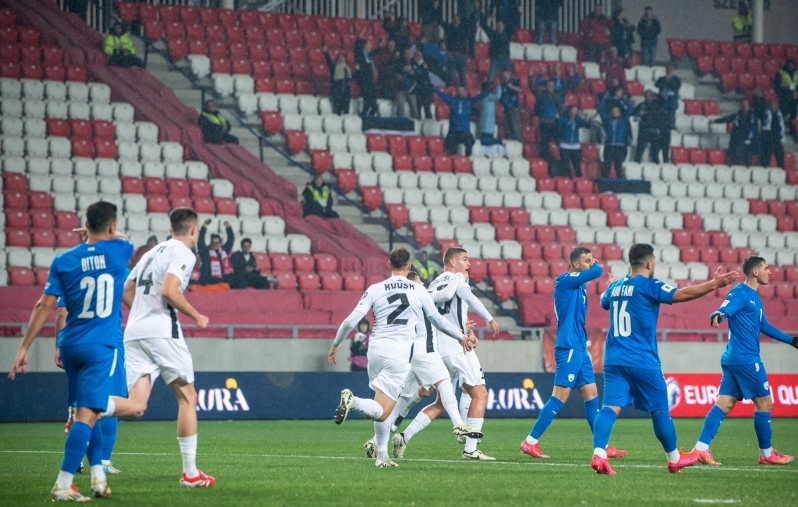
<point>119,49</point>
<point>425,268</point>
<point>215,127</point>
<point>318,199</point>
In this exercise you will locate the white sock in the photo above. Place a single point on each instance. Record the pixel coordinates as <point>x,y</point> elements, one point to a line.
<point>449,401</point>
<point>382,433</point>
<point>419,423</point>
<point>109,411</point>
<point>188,448</point>
<point>106,462</point>
<point>64,480</point>
<point>369,409</point>
<point>465,404</point>
<point>530,440</point>
<point>401,404</point>
<point>97,473</point>
<point>601,453</point>
<point>673,456</point>
<point>475,423</point>
<point>701,446</point>
<point>411,402</point>
<point>766,453</point>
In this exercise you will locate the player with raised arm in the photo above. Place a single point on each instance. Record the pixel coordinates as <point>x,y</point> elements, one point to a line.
<point>463,366</point>
<point>398,305</point>
<point>744,376</point>
<point>90,278</point>
<point>574,365</point>
<point>154,343</point>
<point>632,369</point>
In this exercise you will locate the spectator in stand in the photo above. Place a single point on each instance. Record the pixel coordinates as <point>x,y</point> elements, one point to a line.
<point>648,29</point>
<point>758,103</point>
<point>423,86</point>
<point>340,77</point>
<point>472,25</point>
<point>653,119</point>
<point>615,66</point>
<point>499,44</point>
<point>119,49</point>
<point>246,272</point>
<point>396,28</point>
<point>364,74</point>
<point>510,101</point>
<point>431,15</point>
<point>215,127</point>
<point>570,147</point>
<point>437,58</point>
<point>358,350</point>
<point>424,267</point>
<point>505,10</point>
<point>741,23</point>
<point>459,120</point>
<point>622,34</point>
<point>140,251</point>
<point>215,267</point>
<point>406,86</point>
<point>595,31</point>
<point>547,14</point>
<point>457,35</point>
<point>383,62</point>
<point>773,134</point>
<point>561,84</point>
<point>786,85</point>
<point>317,198</point>
<point>668,86</point>
<point>487,115</point>
<point>742,134</point>
<point>549,105</point>
<point>618,134</point>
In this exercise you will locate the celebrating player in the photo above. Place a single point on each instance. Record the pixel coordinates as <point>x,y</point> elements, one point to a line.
<point>399,305</point>
<point>744,376</point>
<point>154,343</point>
<point>632,369</point>
<point>574,366</point>
<point>90,279</point>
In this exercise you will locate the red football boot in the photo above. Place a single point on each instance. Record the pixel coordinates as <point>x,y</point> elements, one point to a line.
<point>200,481</point>
<point>776,459</point>
<point>601,465</point>
<point>686,459</point>
<point>533,450</point>
<point>612,452</point>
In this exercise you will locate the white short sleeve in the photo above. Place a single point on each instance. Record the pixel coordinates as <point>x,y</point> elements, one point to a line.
<point>182,264</point>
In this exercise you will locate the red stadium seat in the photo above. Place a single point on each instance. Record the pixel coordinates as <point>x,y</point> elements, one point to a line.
<point>18,237</point>
<point>503,288</point>
<point>226,206</point>
<point>402,163</point>
<point>40,201</point>
<point>57,127</point>
<point>372,199</point>
<point>691,221</point>
<point>479,215</point>
<point>518,268</point>
<point>442,164</point>
<point>354,282</point>
<point>397,215</point>
<point>43,238</point>
<point>704,65</point>
<point>422,164</point>
<point>397,145</point>
<point>295,141</point>
<point>478,270</point>
<point>694,48</point>
<point>41,220</point>
<point>157,204</point>
<point>692,106</point>
<point>435,146</point>
<point>326,263</point>
<point>105,149</point>
<point>497,268</point>
<point>18,219</point>
<point>565,234</point>
<point>102,130</point>
<point>519,217</point>
<point>376,142</point>
<point>67,239</point>
<point>346,179</point>
<point>304,263</point>
<point>272,122</point>
<point>552,251</point>
<point>697,156</point>
<point>745,82</point>
<point>499,216</point>
<point>461,164</point>
<point>320,160</point>
<point>331,281</point>
<point>544,286</point>
<point>76,73</point>
<point>20,277</point>
<point>728,82</point>
<point>66,220</point>
<point>679,155</point>
<point>155,186</point>
<point>531,251</point>
<point>609,203</point>
<point>571,201</point>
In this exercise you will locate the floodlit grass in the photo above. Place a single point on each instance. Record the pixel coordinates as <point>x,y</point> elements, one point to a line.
<point>318,463</point>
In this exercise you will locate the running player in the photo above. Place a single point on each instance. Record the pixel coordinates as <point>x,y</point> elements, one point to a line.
<point>632,369</point>
<point>399,305</point>
<point>154,343</point>
<point>463,366</point>
<point>744,376</point>
<point>90,278</point>
<point>574,365</point>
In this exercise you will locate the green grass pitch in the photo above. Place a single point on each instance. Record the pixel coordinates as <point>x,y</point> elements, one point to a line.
<point>279,463</point>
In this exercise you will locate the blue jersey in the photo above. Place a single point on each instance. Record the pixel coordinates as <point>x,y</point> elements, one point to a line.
<point>633,303</point>
<point>90,279</point>
<point>743,308</point>
<point>570,307</point>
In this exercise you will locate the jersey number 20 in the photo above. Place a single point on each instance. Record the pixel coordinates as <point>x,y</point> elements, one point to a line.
<point>621,320</point>
<point>104,285</point>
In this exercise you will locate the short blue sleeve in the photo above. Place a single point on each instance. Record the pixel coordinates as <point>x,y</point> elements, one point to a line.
<point>61,302</point>
<point>53,287</point>
<point>732,304</point>
<point>571,280</point>
<point>660,291</point>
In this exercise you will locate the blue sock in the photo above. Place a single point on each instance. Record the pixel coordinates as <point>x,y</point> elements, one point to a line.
<point>602,427</point>
<point>75,445</point>
<point>94,453</point>
<point>591,410</point>
<point>762,428</point>
<point>664,430</point>
<point>109,425</point>
<point>545,418</point>
<point>711,425</point>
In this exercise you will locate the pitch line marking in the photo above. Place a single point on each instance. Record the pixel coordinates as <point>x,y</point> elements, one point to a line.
<point>715,500</point>
<point>430,460</point>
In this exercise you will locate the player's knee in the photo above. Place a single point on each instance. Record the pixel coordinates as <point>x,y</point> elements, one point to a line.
<point>763,404</point>
<point>479,393</point>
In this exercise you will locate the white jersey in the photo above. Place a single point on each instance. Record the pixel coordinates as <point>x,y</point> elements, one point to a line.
<point>426,341</point>
<point>453,297</point>
<point>151,316</point>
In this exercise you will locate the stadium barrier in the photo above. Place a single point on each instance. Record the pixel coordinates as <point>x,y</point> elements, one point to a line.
<point>231,396</point>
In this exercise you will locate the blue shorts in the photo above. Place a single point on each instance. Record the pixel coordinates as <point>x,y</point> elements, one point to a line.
<point>624,385</point>
<point>744,381</point>
<point>94,373</point>
<point>574,368</point>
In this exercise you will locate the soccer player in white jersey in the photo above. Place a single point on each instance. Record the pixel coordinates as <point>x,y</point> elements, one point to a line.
<point>426,371</point>
<point>398,305</point>
<point>154,343</point>
<point>463,366</point>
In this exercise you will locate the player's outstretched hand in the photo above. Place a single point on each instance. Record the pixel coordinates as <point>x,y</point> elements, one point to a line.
<point>723,280</point>
<point>466,343</point>
<point>331,356</point>
<point>207,222</point>
<point>495,327</point>
<point>470,325</point>
<point>20,364</point>
<point>610,278</point>
<point>202,321</point>
<point>715,319</point>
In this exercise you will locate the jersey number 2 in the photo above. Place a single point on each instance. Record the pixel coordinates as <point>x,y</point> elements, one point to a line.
<point>403,305</point>
<point>621,320</point>
<point>104,286</point>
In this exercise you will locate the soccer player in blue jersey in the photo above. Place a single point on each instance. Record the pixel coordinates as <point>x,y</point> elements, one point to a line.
<point>574,366</point>
<point>91,279</point>
<point>632,369</point>
<point>744,376</point>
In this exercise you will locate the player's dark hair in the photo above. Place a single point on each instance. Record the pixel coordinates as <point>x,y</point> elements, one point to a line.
<point>578,252</point>
<point>639,254</point>
<point>245,240</point>
<point>182,219</point>
<point>100,215</point>
<point>451,253</point>
<point>412,275</point>
<point>400,257</point>
<point>215,236</point>
<point>751,263</point>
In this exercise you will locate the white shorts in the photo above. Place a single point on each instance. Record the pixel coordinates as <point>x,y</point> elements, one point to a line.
<point>464,368</point>
<point>388,375</point>
<point>427,370</point>
<point>168,357</point>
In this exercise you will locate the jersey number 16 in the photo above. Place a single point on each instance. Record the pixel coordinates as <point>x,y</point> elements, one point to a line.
<point>621,320</point>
